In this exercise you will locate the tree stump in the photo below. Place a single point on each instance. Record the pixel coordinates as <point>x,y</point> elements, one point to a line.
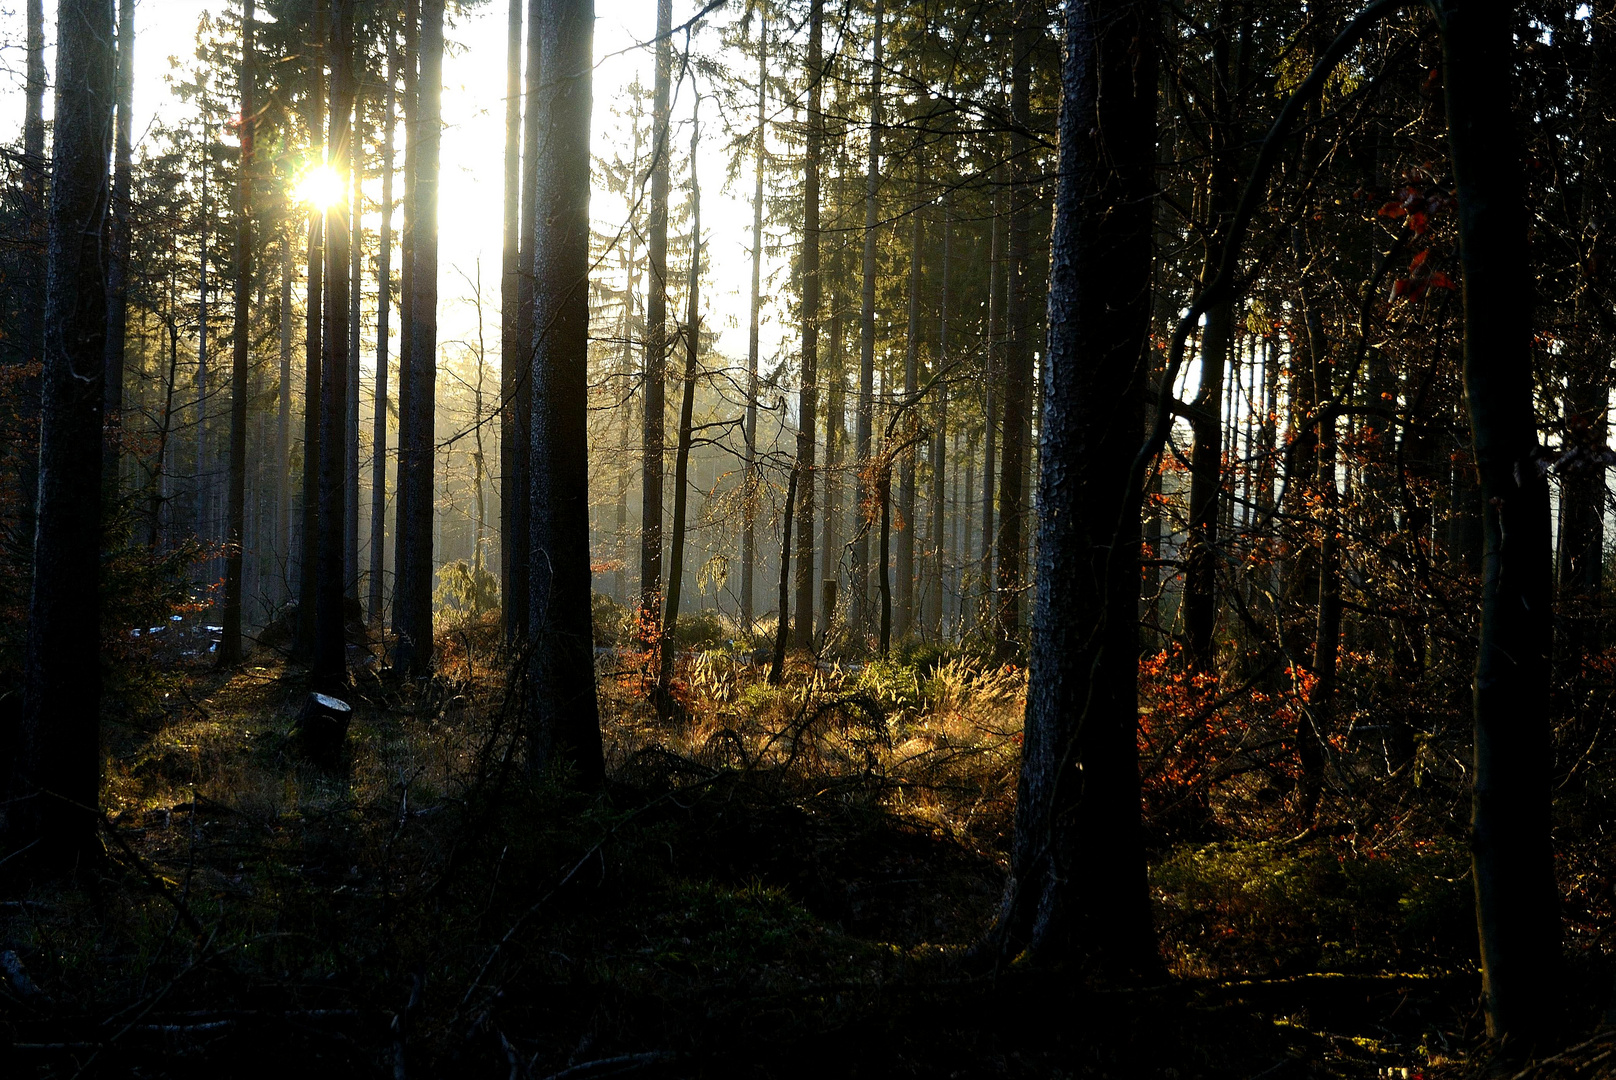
<point>322,727</point>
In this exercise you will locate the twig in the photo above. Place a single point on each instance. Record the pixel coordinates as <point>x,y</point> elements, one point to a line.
<point>612,1065</point>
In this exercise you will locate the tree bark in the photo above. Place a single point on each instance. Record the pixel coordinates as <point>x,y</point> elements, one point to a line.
<point>905,569</point>
<point>565,724</point>
<point>307,560</point>
<point>417,437</point>
<point>782,627</point>
<point>517,600</point>
<point>510,301</point>
<point>329,671</point>
<point>384,307</point>
<point>749,490</point>
<point>118,246</point>
<point>866,399</point>
<point>1512,857</point>
<point>681,456</point>
<point>1077,890</point>
<point>656,332</point>
<point>1018,346</point>
<point>56,767</point>
<point>236,496</point>
<point>356,266</point>
<point>808,399</point>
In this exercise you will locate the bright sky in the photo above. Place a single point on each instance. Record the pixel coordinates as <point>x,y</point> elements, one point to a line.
<point>473,107</point>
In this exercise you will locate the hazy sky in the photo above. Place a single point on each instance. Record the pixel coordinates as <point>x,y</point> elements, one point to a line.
<point>473,108</point>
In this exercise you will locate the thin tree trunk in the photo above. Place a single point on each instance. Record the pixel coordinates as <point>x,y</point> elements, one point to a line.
<point>235,526</point>
<point>384,307</point>
<point>283,428</point>
<point>656,332</point>
<point>356,264</point>
<point>782,627</point>
<point>510,302</point>
<point>1077,890</point>
<point>118,248</point>
<point>417,434</point>
<point>938,542</point>
<point>681,457</point>
<point>308,561</point>
<point>517,601</point>
<point>564,714</point>
<point>749,490</point>
<point>835,437</point>
<point>1513,860</point>
<point>990,405</point>
<point>31,330</point>
<point>56,760</point>
<point>1018,346</point>
<point>808,400</point>
<point>866,401</point>
<point>905,570</point>
<point>330,663</point>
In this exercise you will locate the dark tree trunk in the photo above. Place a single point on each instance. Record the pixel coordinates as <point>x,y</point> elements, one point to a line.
<point>30,330</point>
<point>307,559</point>
<point>56,763</point>
<point>384,308</point>
<point>808,401</point>
<point>749,495</point>
<point>510,303</point>
<point>517,599</point>
<point>355,270</point>
<point>284,518</point>
<point>656,332</point>
<point>1077,890</point>
<point>236,495</point>
<point>330,663</point>
<point>417,434</point>
<point>565,722</point>
<point>1018,344</point>
<point>1513,861</point>
<point>403,535</point>
<point>992,374</point>
<point>118,247</point>
<point>681,455</point>
<point>905,570</point>
<point>782,628</point>
<point>835,438</point>
<point>937,539</point>
<point>866,389</point>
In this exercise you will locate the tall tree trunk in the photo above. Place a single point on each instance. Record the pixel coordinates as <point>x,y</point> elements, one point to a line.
<point>417,434</point>
<point>835,437</point>
<point>866,399</point>
<point>31,329</point>
<point>937,537</point>
<point>808,400</point>
<point>308,570</point>
<point>656,332</point>
<point>905,571</point>
<point>235,526</point>
<point>521,403</point>
<point>1077,888</point>
<point>384,308</point>
<point>330,663</point>
<point>404,582</point>
<point>1018,345</point>
<point>993,363</point>
<point>681,455</point>
<point>356,292</point>
<point>749,490</point>
<point>118,247</point>
<point>56,763</point>
<point>510,302</point>
<point>782,626</point>
<point>1513,861</point>
<point>283,429</point>
<point>565,722</point>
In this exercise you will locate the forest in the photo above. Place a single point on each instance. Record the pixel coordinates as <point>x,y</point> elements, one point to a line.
<point>806,538</point>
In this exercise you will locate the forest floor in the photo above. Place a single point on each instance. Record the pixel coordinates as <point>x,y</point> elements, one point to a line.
<point>785,883</point>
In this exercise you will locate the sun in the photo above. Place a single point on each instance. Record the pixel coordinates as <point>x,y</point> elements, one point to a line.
<point>320,187</point>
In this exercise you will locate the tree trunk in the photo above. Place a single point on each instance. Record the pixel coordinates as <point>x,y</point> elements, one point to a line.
<point>118,247</point>
<point>782,627</point>
<point>356,265</point>
<point>1018,346</point>
<point>516,601</point>
<point>866,400</point>
<point>384,307</point>
<point>511,370</point>
<point>564,714</point>
<point>656,333</point>
<point>235,526</point>
<point>31,329</point>
<point>994,368</point>
<point>835,438</point>
<point>808,401</point>
<point>56,766</point>
<point>1077,890</point>
<point>1513,862</point>
<point>937,540</point>
<point>329,670</point>
<point>749,489</point>
<point>403,535</point>
<point>681,456</point>
<point>417,434</point>
<point>307,560</point>
<point>905,570</point>
<point>284,517</point>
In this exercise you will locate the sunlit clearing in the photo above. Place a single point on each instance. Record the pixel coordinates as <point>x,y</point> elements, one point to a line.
<point>320,187</point>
